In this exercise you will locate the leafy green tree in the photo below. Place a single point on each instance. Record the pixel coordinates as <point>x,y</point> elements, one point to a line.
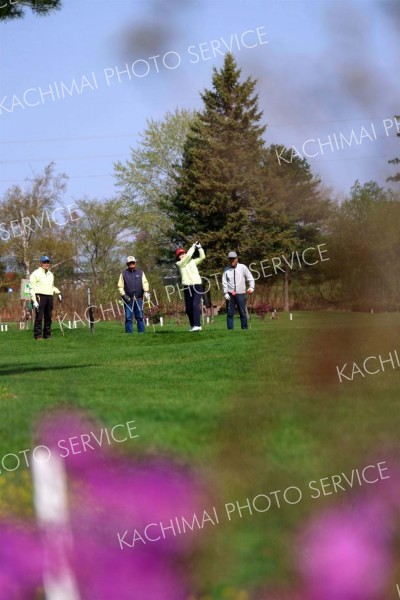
<point>102,238</point>
<point>365,248</point>
<point>148,177</point>
<point>221,174</point>
<point>14,9</point>
<point>28,220</point>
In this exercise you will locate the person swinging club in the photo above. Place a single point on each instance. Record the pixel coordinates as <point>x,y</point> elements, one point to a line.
<point>191,279</point>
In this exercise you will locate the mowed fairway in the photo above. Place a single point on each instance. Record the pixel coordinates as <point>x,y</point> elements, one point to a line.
<point>255,411</point>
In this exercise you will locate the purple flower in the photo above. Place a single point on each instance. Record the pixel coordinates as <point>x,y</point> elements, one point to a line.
<point>106,497</point>
<point>346,554</point>
<point>21,562</point>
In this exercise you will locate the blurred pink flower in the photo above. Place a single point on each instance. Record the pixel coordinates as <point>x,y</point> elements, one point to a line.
<point>107,496</point>
<point>346,553</point>
<point>21,562</point>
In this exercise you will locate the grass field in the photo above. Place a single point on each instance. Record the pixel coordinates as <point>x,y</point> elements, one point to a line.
<point>254,411</point>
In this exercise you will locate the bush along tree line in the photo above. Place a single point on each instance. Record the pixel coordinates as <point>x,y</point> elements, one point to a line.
<point>209,175</point>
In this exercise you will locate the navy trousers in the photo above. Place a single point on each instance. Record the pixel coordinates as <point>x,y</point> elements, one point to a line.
<point>193,294</point>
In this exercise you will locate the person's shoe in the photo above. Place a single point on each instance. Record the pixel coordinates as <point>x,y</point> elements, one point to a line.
<point>191,329</point>
<point>196,328</point>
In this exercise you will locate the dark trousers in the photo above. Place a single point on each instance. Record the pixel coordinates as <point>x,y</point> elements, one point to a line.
<point>44,310</point>
<point>193,295</point>
<point>134,307</point>
<point>240,301</point>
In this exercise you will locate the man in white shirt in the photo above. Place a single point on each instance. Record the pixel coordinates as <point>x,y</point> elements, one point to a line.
<point>236,278</point>
<point>42,289</point>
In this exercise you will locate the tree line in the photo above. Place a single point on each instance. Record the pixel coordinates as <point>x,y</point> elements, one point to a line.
<point>209,175</point>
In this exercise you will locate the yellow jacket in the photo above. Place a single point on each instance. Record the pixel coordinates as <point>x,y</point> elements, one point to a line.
<point>42,282</point>
<point>188,267</point>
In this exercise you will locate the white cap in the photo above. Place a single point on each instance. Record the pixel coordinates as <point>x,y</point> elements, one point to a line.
<point>130,259</point>
<point>232,255</point>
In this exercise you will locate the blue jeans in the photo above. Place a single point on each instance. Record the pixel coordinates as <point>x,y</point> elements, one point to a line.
<point>134,307</point>
<point>240,301</point>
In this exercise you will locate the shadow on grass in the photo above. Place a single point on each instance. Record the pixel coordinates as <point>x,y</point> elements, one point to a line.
<point>18,369</point>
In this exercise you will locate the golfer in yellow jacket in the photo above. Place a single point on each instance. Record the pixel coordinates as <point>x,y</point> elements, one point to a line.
<point>42,289</point>
<point>191,279</point>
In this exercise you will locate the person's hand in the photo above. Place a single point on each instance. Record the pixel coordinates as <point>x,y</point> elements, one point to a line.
<point>36,305</point>
<point>198,245</point>
<point>227,296</point>
<point>126,298</point>
<point>60,297</point>
<point>250,291</point>
<point>146,295</point>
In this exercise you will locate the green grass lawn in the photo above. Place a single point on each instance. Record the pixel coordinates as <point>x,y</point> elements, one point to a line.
<point>255,411</point>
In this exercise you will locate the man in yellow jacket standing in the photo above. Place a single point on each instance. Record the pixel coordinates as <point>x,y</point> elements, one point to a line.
<point>42,289</point>
<point>191,279</point>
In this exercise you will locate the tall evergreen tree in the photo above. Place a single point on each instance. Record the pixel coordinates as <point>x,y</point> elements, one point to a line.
<point>221,174</point>
<point>14,9</point>
<point>291,213</point>
<point>148,176</point>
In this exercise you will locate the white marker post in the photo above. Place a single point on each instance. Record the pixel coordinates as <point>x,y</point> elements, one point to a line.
<point>291,316</point>
<point>51,506</point>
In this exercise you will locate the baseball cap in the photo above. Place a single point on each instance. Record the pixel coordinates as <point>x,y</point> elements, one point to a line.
<point>232,255</point>
<point>45,258</point>
<point>179,251</point>
<point>130,259</point>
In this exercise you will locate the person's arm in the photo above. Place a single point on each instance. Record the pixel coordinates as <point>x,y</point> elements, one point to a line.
<point>202,256</point>
<point>182,263</point>
<point>145,283</point>
<point>249,279</point>
<point>224,283</point>
<point>121,285</point>
<point>32,283</point>
<point>55,289</point>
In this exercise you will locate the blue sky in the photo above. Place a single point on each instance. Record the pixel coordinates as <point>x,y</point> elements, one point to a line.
<point>329,67</point>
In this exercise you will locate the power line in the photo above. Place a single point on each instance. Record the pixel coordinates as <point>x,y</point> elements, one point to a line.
<point>72,139</point>
<point>134,134</point>
<point>89,156</point>
<point>321,160</point>
<point>69,177</point>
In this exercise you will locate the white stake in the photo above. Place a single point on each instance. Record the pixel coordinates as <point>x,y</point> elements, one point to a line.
<point>291,317</point>
<point>51,506</point>
<point>162,321</point>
